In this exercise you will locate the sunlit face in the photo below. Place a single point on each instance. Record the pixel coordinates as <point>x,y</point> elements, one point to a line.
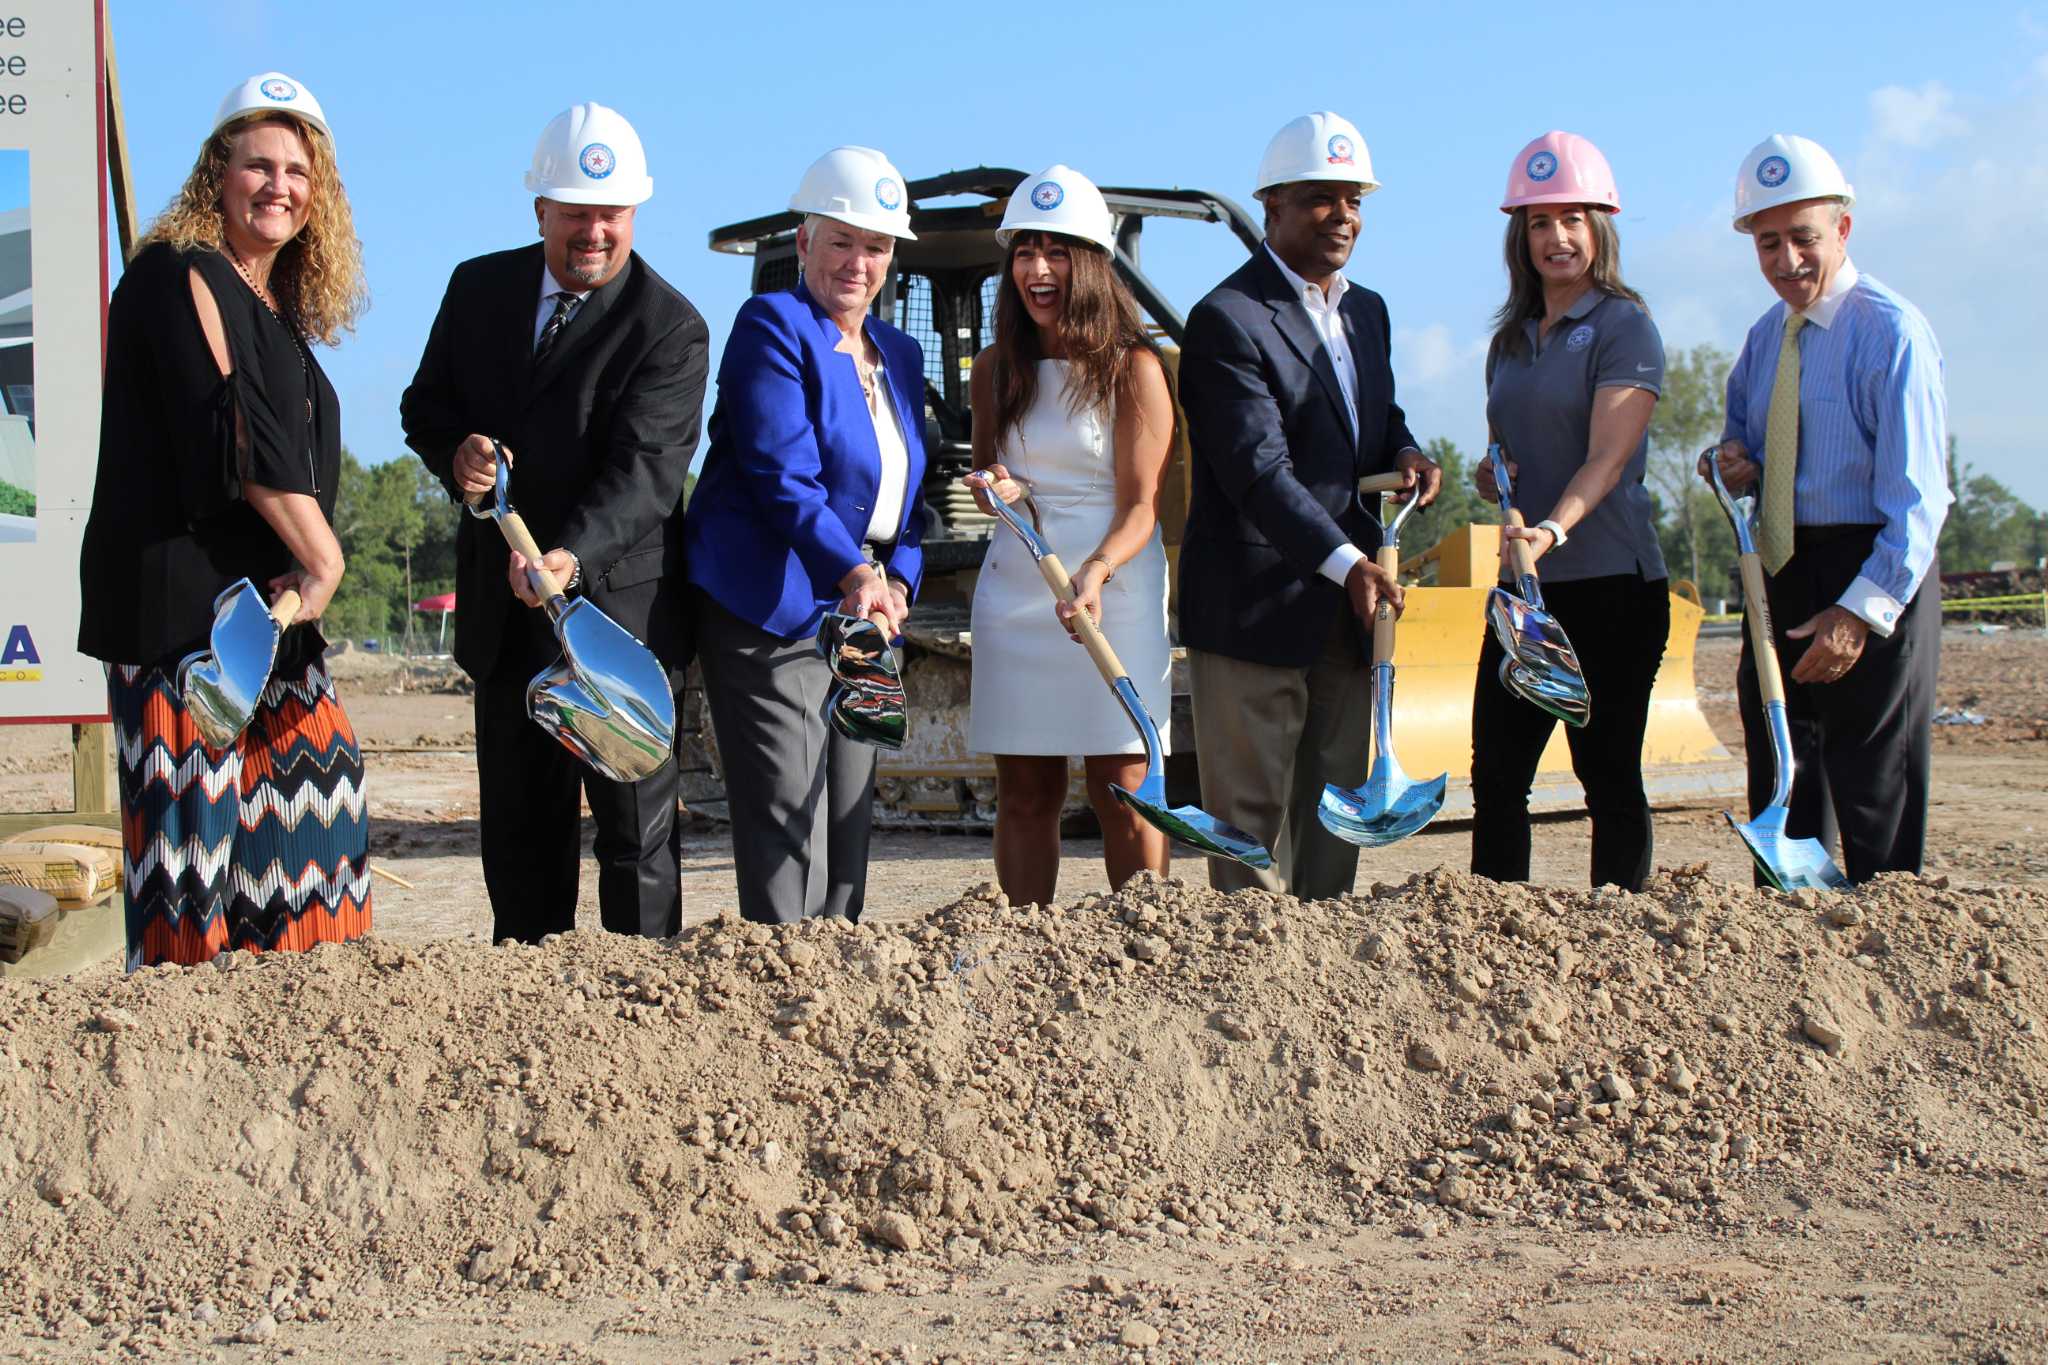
<point>584,244</point>
<point>1042,268</point>
<point>844,266</point>
<point>266,193</point>
<point>1799,247</point>
<point>1560,240</point>
<point>1313,225</point>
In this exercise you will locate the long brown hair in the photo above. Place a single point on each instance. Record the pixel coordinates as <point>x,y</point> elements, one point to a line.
<point>1525,286</point>
<point>1100,328</point>
<point>318,274</point>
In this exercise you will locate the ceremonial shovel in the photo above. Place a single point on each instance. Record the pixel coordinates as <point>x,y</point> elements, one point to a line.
<point>867,702</point>
<point>607,699</point>
<point>1389,807</point>
<point>1788,864</point>
<point>1190,824</point>
<point>1541,667</point>
<point>222,683</point>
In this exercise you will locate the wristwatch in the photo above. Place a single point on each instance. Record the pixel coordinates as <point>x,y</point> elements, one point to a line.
<point>1557,535</point>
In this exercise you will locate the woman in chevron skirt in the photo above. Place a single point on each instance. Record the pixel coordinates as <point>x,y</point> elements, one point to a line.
<point>220,458</point>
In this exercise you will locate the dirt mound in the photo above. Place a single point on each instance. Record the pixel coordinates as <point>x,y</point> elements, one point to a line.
<point>339,1133</point>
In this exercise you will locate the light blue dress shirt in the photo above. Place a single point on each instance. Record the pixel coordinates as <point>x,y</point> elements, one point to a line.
<point>1873,430</point>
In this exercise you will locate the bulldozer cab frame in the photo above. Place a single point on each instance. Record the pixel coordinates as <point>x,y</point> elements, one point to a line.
<point>942,291</point>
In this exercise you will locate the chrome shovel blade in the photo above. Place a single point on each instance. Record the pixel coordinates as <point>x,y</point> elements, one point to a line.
<point>607,699</point>
<point>1541,667</point>
<point>222,683</point>
<point>1192,825</point>
<point>867,703</point>
<point>1391,805</point>
<point>1788,864</point>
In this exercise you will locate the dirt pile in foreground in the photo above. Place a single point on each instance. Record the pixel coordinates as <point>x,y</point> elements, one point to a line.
<point>334,1134</point>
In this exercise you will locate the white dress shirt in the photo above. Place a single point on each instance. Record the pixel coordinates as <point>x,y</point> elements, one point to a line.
<point>549,287</point>
<point>1325,315</point>
<point>887,518</point>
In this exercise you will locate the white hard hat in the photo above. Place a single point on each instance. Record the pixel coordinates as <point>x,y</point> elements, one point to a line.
<point>273,90</point>
<point>857,186</point>
<point>589,154</point>
<point>1784,169</point>
<point>1316,147</point>
<point>1059,199</point>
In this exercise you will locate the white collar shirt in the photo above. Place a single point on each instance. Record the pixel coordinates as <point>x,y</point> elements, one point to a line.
<point>549,287</point>
<point>1326,316</point>
<point>1822,314</point>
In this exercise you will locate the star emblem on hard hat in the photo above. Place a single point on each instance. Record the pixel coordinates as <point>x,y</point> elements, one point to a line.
<point>597,161</point>
<point>1048,195</point>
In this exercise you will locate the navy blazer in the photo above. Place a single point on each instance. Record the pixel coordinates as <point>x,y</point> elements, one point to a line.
<point>785,495</point>
<point>1274,466</point>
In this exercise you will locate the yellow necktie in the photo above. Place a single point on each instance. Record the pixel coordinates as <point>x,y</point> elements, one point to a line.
<point>1781,451</point>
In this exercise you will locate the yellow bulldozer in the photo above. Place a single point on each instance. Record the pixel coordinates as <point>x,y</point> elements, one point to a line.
<point>943,293</point>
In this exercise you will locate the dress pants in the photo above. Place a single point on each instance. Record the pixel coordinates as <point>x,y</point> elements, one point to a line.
<point>532,819</point>
<point>1269,739</point>
<point>1862,747</point>
<point>801,795</point>
<point>1618,625</point>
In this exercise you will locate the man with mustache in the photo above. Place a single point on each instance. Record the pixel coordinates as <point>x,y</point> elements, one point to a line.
<point>1837,404</point>
<point>587,370</point>
<point>1289,396</point>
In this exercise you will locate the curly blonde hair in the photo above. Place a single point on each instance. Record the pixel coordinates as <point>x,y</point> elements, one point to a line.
<point>318,275</point>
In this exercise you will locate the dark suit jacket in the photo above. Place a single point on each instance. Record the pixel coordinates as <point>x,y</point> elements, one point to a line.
<point>1274,467</point>
<point>601,435</point>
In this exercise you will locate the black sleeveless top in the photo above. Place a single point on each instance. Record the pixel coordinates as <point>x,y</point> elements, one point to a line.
<point>169,528</point>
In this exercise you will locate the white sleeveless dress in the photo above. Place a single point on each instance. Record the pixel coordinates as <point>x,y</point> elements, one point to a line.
<point>1034,690</point>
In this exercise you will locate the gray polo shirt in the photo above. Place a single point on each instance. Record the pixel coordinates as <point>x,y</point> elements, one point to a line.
<point>1540,405</point>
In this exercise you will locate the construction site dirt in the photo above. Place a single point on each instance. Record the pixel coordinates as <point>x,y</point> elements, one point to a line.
<point>1436,1119</point>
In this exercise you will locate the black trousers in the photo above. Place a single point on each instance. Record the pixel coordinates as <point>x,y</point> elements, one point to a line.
<point>532,819</point>
<point>1618,626</point>
<point>1862,747</point>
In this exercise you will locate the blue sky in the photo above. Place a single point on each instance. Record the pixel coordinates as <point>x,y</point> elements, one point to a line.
<point>1941,122</point>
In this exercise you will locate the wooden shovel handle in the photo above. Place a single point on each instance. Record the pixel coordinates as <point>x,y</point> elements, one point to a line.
<point>521,540</point>
<point>1106,662</point>
<point>1520,561</point>
<point>1770,679</point>
<point>1388,559</point>
<point>1390,482</point>
<point>285,609</point>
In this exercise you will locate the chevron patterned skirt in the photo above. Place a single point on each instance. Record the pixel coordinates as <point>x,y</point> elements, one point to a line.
<point>260,846</point>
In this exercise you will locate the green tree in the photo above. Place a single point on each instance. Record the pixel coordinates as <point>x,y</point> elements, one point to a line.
<point>1458,503</point>
<point>397,532</point>
<point>1987,525</point>
<point>1692,530</point>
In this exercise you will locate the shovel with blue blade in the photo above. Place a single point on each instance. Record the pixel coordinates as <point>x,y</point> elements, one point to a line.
<point>1788,864</point>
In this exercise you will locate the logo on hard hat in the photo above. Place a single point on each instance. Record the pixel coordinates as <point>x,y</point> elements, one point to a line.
<point>597,161</point>
<point>1542,166</point>
<point>1772,171</point>
<point>1048,195</point>
<point>278,88</point>
<point>889,194</point>
<point>1341,151</point>
<point>1580,339</point>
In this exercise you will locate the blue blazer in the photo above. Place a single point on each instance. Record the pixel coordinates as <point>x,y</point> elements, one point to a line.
<point>788,485</point>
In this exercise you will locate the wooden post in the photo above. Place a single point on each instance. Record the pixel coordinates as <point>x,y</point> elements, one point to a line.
<point>119,173</point>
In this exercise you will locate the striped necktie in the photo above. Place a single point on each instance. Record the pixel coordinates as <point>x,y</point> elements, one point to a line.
<point>565,304</point>
<point>1781,451</point>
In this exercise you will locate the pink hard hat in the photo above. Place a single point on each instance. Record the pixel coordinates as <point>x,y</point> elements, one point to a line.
<point>1561,168</point>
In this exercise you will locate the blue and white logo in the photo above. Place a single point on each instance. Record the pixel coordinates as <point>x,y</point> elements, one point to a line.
<point>1047,196</point>
<point>597,161</point>
<point>1342,153</point>
<point>889,194</point>
<point>1542,166</point>
<point>1581,337</point>
<point>1772,171</point>
<point>279,89</point>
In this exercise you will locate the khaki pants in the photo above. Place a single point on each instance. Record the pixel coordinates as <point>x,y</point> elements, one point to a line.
<point>1269,738</point>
